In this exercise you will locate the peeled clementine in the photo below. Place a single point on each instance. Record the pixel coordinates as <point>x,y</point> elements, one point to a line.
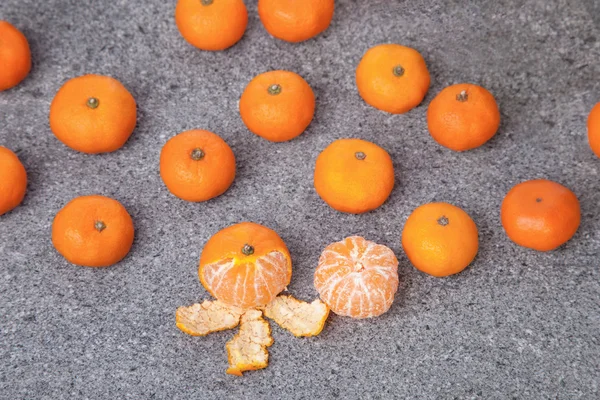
<point>245,265</point>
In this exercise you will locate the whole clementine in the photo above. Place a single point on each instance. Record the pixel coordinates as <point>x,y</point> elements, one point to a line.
<point>540,214</point>
<point>357,278</point>
<point>245,265</point>
<point>277,105</point>
<point>197,165</point>
<point>463,117</point>
<point>93,231</point>
<point>392,78</point>
<point>13,180</point>
<point>354,176</point>
<point>211,24</point>
<point>594,129</point>
<point>440,239</point>
<point>15,56</point>
<point>295,21</point>
<point>93,114</point>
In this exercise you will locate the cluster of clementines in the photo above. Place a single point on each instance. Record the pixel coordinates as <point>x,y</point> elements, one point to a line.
<point>246,266</point>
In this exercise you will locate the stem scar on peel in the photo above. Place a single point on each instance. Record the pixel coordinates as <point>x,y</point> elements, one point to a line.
<point>398,70</point>
<point>247,250</point>
<point>360,155</point>
<point>99,226</point>
<point>274,89</point>
<point>93,103</point>
<point>462,96</point>
<point>443,221</point>
<point>197,154</point>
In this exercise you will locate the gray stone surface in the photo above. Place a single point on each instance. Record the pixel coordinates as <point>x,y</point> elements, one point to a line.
<point>516,324</point>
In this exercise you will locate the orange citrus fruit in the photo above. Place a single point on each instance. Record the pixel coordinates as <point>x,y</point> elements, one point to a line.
<point>392,78</point>
<point>197,165</point>
<point>93,231</point>
<point>295,21</point>
<point>277,105</point>
<point>13,180</point>
<point>463,117</point>
<point>357,278</point>
<point>93,114</point>
<point>211,24</point>
<point>594,129</point>
<point>440,239</point>
<point>354,176</point>
<point>245,265</point>
<point>540,214</point>
<point>15,56</point>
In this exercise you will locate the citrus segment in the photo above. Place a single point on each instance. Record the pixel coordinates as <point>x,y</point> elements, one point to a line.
<point>357,278</point>
<point>207,317</point>
<point>298,317</point>
<point>247,351</point>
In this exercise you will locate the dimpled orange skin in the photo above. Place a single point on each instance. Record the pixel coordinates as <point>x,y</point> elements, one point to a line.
<point>77,236</point>
<point>15,56</point>
<point>295,21</point>
<point>462,117</point>
<point>594,129</point>
<point>379,85</point>
<point>277,115</point>
<point>540,214</point>
<point>102,129</point>
<point>13,180</point>
<point>211,25</point>
<point>440,239</point>
<point>197,179</point>
<point>350,184</point>
<point>228,244</point>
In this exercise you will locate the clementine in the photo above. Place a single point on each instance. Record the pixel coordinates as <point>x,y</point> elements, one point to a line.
<point>15,56</point>
<point>295,21</point>
<point>392,78</point>
<point>463,117</point>
<point>354,176</point>
<point>211,24</point>
<point>197,165</point>
<point>93,231</point>
<point>357,278</point>
<point>540,214</point>
<point>93,114</point>
<point>594,129</point>
<point>13,180</point>
<point>440,239</point>
<point>245,265</point>
<point>277,105</point>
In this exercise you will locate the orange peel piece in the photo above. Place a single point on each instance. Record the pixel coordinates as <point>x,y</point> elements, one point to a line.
<point>302,319</point>
<point>247,351</point>
<point>207,317</point>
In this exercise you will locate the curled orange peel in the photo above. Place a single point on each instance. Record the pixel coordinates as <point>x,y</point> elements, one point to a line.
<point>207,317</point>
<point>247,351</point>
<point>302,319</point>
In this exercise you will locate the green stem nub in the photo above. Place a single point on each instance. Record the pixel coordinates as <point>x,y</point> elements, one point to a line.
<point>247,250</point>
<point>93,103</point>
<point>443,221</point>
<point>206,2</point>
<point>360,155</point>
<point>398,70</point>
<point>100,226</point>
<point>462,96</point>
<point>197,154</point>
<point>274,89</point>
